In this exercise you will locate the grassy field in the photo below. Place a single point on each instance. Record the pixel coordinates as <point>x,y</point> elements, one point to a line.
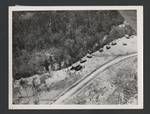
<point>116,85</point>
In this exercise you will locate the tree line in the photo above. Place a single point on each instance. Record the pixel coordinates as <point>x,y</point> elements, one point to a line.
<point>60,37</point>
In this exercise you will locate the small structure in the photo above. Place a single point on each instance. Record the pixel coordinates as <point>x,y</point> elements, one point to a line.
<point>108,47</point>
<point>76,68</point>
<point>124,44</point>
<point>89,56</point>
<point>72,68</point>
<point>113,43</point>
<point>82,61</point>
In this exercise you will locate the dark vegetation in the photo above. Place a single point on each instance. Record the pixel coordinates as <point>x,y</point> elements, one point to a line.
<point>60,38</point>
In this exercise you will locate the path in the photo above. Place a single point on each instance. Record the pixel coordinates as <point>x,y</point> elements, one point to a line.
<point>82,82</point>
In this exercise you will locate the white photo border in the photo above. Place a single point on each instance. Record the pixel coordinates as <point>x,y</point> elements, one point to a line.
<point>139,10</point>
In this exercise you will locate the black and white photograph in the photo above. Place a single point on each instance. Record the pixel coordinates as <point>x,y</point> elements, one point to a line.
<point>75,57</point>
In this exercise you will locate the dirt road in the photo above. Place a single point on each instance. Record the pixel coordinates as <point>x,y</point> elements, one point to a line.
<point>82,82</point>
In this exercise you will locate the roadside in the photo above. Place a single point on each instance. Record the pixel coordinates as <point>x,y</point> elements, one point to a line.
<point>51,88</point>
<point>117,84</point>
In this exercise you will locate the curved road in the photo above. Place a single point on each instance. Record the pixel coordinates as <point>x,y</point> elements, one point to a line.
<point>82,82</point>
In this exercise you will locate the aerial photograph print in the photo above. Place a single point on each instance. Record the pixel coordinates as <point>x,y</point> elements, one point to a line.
<point>75,57</point>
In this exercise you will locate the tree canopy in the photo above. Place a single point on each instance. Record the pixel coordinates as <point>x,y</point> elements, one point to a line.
<point>65,35</point>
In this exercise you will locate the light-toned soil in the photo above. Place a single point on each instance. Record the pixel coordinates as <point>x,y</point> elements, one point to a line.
<point>116,85</point>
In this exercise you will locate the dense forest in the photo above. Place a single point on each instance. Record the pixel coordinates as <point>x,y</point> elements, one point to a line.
<point>60,38</point>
